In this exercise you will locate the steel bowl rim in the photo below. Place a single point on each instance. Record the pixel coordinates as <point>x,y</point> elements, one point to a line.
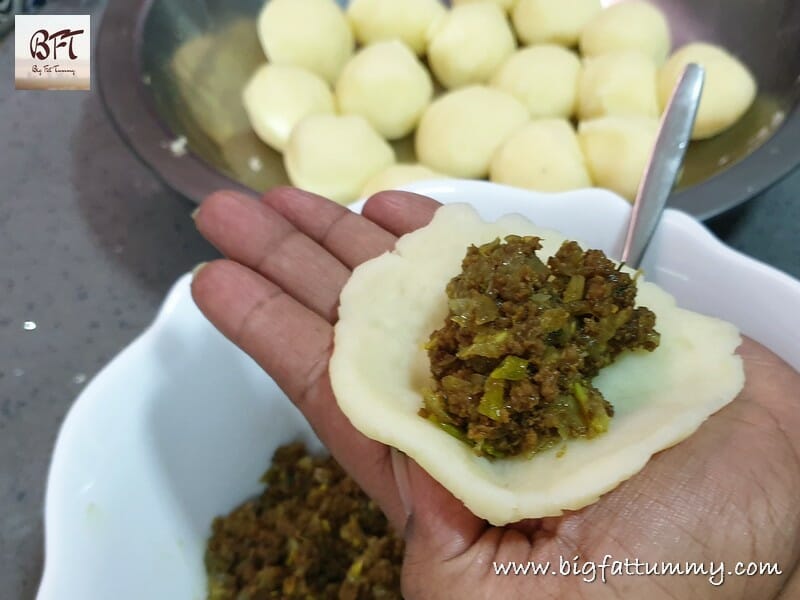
<point>133,111</point>
<point>134,116</point>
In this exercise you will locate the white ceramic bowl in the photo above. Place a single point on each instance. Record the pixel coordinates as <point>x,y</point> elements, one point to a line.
<point>179,427</point>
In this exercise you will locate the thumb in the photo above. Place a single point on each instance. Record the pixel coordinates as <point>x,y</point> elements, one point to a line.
<point>439,527</point>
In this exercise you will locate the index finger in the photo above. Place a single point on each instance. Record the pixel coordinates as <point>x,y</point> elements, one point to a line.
<point>350,237</point>
<point>400,212</point>
<point>345,234</point>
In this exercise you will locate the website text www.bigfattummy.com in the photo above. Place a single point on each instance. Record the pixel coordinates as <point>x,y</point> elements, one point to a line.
<point>594,571</point>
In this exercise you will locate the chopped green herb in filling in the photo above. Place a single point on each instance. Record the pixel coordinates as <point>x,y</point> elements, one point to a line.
<point>513,363</point>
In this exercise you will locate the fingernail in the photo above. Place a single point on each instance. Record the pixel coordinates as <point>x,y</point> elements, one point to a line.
<point>195,212</point>
<point>198,268</point>
<point>400,470</point>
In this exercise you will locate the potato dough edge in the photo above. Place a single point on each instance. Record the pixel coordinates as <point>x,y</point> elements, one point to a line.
<point>413,277</point>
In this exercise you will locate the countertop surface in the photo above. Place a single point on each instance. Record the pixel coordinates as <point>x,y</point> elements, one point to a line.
<point>90,242</point>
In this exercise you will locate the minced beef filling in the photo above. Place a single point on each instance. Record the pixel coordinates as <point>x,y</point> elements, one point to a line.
<point>312,533</point>
<point>513,363</point>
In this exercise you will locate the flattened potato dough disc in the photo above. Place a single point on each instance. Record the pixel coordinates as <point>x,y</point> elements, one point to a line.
<point>335,156</point>
<point>278,97</point>
<point>460,131</point>
<point>313,34</point>
<point>406,20</point>
<point>392,303</point>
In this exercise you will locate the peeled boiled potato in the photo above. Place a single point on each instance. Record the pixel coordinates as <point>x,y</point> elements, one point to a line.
<point>395,176</point>
<point>504,4</point>
<point>313,34</point>
<point>277,97</point>
<point>391,304</point>
<point>335,156</point>
<point>386,84</point>
<point>544,78</point>
<point>630,25</point>
<point>619,83</point>
<point>617,150</point>
<point>207,71</point>
<point>460,131</point>
<point>406,20</point>
<point>469,44</point>
<point>544,155</point>
<point>553,21</point>
<point>728,92</point>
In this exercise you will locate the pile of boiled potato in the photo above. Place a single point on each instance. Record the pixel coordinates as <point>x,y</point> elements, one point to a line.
<point>489,88</point>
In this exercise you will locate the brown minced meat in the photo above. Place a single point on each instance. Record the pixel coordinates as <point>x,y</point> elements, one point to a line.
<point>513,363</point>
<point>312,533</point>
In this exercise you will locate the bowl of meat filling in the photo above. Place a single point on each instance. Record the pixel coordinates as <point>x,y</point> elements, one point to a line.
<point>154,488</point>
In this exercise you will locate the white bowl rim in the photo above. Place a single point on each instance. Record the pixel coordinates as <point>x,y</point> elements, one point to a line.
<point>774,284</point>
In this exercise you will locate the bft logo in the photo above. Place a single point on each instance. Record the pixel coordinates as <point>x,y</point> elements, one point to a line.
<point>52,52</point>
<point>45,45</point>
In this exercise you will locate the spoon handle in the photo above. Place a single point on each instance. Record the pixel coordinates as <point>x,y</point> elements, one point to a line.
<point>665,163</point>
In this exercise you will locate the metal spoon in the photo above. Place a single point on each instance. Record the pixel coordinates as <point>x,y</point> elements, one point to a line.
<point>665,163</point>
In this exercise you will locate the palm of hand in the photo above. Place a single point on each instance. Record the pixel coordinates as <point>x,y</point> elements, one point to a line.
<point>728,493</point>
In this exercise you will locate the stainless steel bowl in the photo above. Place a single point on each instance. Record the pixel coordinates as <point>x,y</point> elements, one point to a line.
<point>171,73</point>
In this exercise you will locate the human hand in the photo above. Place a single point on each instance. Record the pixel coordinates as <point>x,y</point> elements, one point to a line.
<point>728,493</point>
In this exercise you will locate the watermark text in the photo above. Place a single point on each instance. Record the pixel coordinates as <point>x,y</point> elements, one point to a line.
<point>599,571</point>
